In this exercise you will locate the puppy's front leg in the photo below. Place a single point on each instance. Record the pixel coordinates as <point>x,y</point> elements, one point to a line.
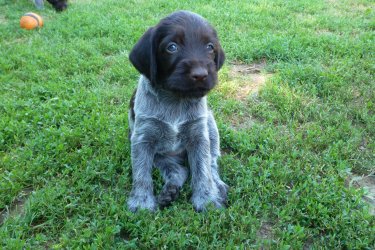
<point>204,187</point>
<point>215,153</point>
<point>141,196</point>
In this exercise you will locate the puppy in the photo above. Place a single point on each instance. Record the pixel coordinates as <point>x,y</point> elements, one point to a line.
<point>58,5</point>
<point>170,123</point>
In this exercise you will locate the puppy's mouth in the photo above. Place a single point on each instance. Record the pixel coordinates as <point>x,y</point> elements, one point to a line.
<point>196,93</point>
<point>189,93</point>
<point>187,88</point>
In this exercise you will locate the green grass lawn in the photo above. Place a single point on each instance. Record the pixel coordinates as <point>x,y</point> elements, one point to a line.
<point>288,147</point>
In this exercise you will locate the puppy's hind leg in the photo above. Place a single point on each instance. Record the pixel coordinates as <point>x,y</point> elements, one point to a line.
<point>174,175</point>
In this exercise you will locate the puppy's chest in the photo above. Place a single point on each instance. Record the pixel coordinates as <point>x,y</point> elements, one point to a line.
<point>173,137</point>
<point>166,122</point>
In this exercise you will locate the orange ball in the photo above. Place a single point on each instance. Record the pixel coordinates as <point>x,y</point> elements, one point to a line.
<point>31,21</point>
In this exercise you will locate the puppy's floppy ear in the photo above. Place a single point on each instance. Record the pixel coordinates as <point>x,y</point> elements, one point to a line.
<point>219,57</point>
<point>143,55</point>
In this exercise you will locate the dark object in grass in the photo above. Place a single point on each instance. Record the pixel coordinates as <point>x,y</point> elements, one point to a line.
<point>170,122</point>
<point>59,5</point>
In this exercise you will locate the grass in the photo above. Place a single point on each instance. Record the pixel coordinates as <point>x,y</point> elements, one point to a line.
<point>64,154</point>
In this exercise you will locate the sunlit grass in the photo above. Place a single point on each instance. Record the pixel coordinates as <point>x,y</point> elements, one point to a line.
<point>288,145</point>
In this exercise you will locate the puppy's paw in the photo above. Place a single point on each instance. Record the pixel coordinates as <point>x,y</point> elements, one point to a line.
<point>203,197</point>
<point>223,192</point>
<point>169,193</point>
<point>142,201</point>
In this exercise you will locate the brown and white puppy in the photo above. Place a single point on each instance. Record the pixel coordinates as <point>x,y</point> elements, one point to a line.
<point>170,122</point>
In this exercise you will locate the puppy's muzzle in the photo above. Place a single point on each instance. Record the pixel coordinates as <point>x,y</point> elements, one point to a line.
<point>198,70</point>
<point>198,74</point>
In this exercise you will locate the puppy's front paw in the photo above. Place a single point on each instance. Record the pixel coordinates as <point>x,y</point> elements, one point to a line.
<point>202,198</point>
<point>223,192</point>
<point>142,201</point>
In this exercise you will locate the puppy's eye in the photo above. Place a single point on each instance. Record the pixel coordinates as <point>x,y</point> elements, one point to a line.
<point>172,48</point>
<point>210,47</point>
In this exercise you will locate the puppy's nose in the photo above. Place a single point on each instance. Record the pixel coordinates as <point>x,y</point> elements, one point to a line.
<point>199,74</point>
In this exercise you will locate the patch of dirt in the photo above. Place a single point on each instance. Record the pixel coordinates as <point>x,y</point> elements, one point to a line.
<point>17,207</point>
<point>16,40</point>
<point>265,231</point>
<point>249,79</point>
<point>324,32</point>
<point>306,18</point>
<point>3,19</point>
<point>331,2</point>
<point>339,9</point>
<point>363,145</point>
<point>244,81</point>
<point>242,121</point>
<point>308,244</point>
<point>368,184</point>
<point>360,7</point>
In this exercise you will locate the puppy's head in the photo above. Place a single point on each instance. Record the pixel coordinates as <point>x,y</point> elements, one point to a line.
<point>181,54</point>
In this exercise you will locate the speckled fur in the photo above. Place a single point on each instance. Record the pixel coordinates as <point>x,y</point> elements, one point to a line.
<point>166,130</point>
